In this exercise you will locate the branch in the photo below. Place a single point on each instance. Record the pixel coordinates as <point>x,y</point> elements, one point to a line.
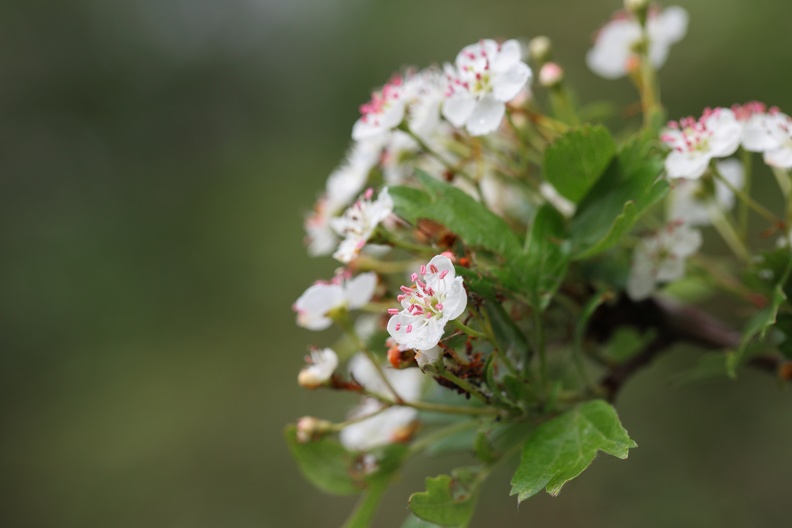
<point>673,323</point>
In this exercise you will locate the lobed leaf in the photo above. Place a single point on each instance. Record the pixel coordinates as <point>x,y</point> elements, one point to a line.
<point>619,198</point>
<point>449,500</point>
<point>476,225</point>
<point>559,450</point>
<point>544,263</point>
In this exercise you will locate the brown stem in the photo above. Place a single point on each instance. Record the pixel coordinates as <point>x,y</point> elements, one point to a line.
<point>672,323</point>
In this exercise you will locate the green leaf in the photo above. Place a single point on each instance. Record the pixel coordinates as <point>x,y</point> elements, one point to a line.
<point>618,199</point>
<point>544,263</point>
<point>577,159</point>
<point>476,225</point>
<point>389,460</point>
<point>478,283</point>
<point>559,450</point>
<point>449,500</point>
<point>325,463</point>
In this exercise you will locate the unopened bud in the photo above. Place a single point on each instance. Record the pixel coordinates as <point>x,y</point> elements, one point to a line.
<point>637,7</point>
<point>539,49</point>
<point>310,428</point>
<point>551,75</point>
<point>309,379</point>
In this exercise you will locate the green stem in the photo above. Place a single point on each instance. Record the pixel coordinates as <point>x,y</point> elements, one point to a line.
<point>469,331</point>
<point>438,407</point>
<point>464,385</point>
<point>649,85</point>
<point>750,202</point>
<point>742,212</point>
<point>729,234</point>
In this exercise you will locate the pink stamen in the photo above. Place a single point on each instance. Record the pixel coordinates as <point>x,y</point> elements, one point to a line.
<point>393,311</point>
<point>409,328</point>
<point>423,270</point>
<point>414,277</point>
<point>439,306</point>
<point>398,326</point>
<point>433,268</point>
<point>443,274</point>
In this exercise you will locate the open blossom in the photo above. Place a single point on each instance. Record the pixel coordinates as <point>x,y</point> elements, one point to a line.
<point>319,300</point>
<point>343,185</point>
<point>695,143</point>
<point>385,426</point>
<point>321,365</point>
<point>486,76</point>
<point>359,222</point>
<point>424,93</point>
<point>383,113</point>
<point>615,51</point>
<point>691,201</point>
<point>436,297</point>
<point>661,258</point>
<point>767,131</point>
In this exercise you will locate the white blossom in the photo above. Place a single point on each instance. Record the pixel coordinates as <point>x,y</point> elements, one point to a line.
<point>359,222</point>
<point>691,201</point>
<point>661,258</point>
<point>485,76</point>
<point>436,296</point>
<point>767,131</point>
<point>615,51</point>
<point>385,426</point>
<point>424,94</point>
<point>320,367</point>
<point>320,299</point>
<point>383,113</point>
<point>694,143</point>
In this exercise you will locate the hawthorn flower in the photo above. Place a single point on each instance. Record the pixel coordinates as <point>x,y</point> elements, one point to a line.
<point>617,43</point>
<point>385,425</point>
<point>321,365</point>
<point>692,200</point>
<point>314,307</point>
<point>694,142</point>
<point>424,94</point>
<point>383,113</point>
<point>486,76</point>
<point>661,258</point>
<point>769,132</point>
<point>359,222</point>
<point>343,185</point>
<point>436,297</point>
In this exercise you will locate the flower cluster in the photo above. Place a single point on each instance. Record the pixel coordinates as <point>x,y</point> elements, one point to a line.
<point>527,242</point>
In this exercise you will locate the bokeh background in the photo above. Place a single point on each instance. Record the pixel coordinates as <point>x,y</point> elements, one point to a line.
<point>156,159</point>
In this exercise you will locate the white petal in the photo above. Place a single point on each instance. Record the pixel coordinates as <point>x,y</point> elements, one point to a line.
<point>360,290</point>
<point>313,305</point>
<point>455,301</point>
<point>640,284</point>
<point>780,158</point>
<point>427,357</point>
<point>442,263</point>
<point>458,109</point>
<point>689,165</point>
<point>509,54</point>
<point>486,117</point>
<point>506,85</point>
<point>674,23</point>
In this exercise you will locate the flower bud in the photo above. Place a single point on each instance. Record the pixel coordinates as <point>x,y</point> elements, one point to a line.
<point>551,75</point>
<point>310,428</point>
<point>540,49</point>
<point>637,7</point>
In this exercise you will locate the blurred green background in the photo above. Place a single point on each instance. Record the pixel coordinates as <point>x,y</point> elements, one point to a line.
<point>156,159</point>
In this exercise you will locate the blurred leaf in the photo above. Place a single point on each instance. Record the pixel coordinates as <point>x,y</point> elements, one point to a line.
<point>759,323</point>
<point>461,442</point>
<point>389,460</point>
<point>559,450</point>
<point>325,463</point>
<point>478,283</point>
<point>476,225</point>
<point>618,199</point>
<point>784,325</point>
<point>508,335</point>
<point>448,500</point>
<point>627,342</point>
<point>576,160</point>
<point>709,367</point>
<point>543,266</point>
